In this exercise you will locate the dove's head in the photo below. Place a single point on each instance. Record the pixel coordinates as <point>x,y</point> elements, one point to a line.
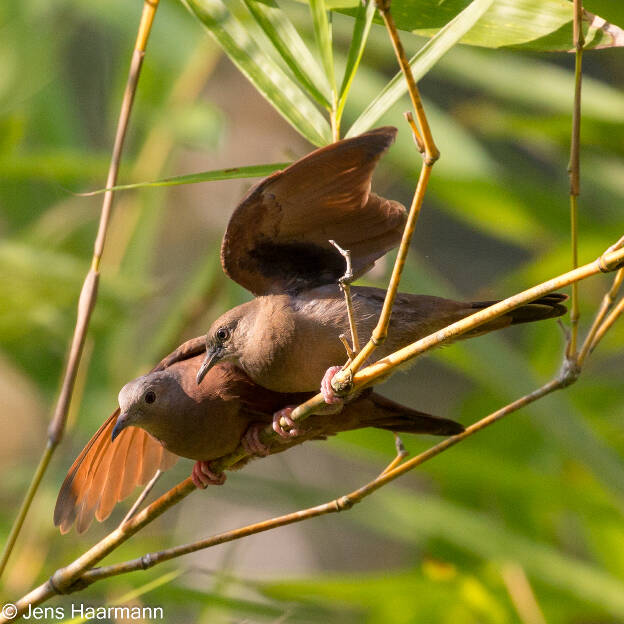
<point>227,337</point>
<point>147,401</point>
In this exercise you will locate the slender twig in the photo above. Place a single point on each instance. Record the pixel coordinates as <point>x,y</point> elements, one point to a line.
<point>574,167</point>
<point>608,323</point>
<point>88,294</point>
<point>605,305</point>
<point>74,576</point>
<point>345,285</point>
<point>142,496</point>
<point>81,575</point>
<point>347,346</point>
<point>609,261</point>
<point>401,454</point>
<point>426,145</point>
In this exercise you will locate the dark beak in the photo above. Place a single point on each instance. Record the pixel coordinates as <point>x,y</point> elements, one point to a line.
<point>120,425</point>
<point>212,357</point>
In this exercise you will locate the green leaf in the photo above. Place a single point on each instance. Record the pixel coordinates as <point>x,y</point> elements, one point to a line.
<point>231,173</point>
<point>323,36</point>
<point>262,70</point>
<point>531,82</point>
<point>544,25</point>
<point>361,28</point>
<point>421,63</point>
<point>291,47</point>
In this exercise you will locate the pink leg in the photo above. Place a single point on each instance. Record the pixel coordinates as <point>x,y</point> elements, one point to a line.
<point>285,414</point>
<point>251,441</point>
<point>326,389</point>
<point>203,476</point>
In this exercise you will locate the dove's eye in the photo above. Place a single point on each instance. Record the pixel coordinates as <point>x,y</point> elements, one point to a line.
<point>150,396</point>
<point>223,334</point>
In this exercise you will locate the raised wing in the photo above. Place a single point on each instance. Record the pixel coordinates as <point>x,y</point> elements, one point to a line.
<point>278,237</point>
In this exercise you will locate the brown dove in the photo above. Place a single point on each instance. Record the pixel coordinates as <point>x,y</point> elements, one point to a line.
<point>165,414</point>
<point>277,246</point>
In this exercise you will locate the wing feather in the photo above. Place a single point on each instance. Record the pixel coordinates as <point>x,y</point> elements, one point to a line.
<point>278,237</point>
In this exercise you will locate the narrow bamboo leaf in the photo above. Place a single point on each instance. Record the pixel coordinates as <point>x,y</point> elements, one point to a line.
<point>291,47</point>
<point>263,72</point>
<point>543,25</point>
<point>361,28</point>
<point>507,76</point>
<point>232,173</point>
<point>322,33</point>
<point>421,63</point>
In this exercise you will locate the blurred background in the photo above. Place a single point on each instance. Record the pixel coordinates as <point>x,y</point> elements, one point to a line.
<point>521,523</point>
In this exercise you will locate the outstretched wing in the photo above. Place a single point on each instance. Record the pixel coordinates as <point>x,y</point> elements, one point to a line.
<point>278,237</point>
<point>105,472</point>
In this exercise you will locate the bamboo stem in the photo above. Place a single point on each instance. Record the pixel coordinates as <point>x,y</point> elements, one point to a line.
<point>88,294</point>
<point>426,145</point>
<point>574,169</point>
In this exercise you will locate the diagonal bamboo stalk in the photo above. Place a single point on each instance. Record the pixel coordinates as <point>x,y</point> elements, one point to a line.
<point>79,573</point>
<point>574,167</point>
<point>426,145</point>
<point>85,577</point>
<point>88,294</point>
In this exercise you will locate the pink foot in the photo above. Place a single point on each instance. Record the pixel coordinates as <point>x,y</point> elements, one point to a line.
<point>326,388</point>
<point>285,413</point>
<point>251,441</point>
<point>203,476</point>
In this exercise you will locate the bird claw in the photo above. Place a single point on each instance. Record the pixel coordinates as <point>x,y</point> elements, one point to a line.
<point>203,476</point>
<point>251,441</point>
<point>285,413</point>
<point>327,391</point>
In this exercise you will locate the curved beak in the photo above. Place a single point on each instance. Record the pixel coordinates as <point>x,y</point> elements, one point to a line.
<point>120,425</point>
<point>213,355</point>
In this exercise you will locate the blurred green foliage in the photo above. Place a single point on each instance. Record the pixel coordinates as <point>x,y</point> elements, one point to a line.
<point>538,497</point>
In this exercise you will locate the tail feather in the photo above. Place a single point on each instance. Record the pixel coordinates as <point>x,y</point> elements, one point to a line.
<point>395,417</point>
<point>549,306</point>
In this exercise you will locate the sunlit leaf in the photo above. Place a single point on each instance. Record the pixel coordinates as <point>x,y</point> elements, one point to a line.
<point>232,173</point>
<point>265,74</point>
<point>421,63</point>
<point>535,24</point>
<point>291,47</point>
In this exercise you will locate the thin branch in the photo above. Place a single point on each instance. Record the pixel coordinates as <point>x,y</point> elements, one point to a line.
<point>343,503</point>
<point>347,346</point>
<point>345,285</point>
<point>78,574</point>
<point>401,454</point>
<point>142,496</point>
<point>88,294</point>
<point>605,305</point>
<point>608,323</point>
<point>426,146</point>
<point>574,167</point>
<point>609,261</point>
